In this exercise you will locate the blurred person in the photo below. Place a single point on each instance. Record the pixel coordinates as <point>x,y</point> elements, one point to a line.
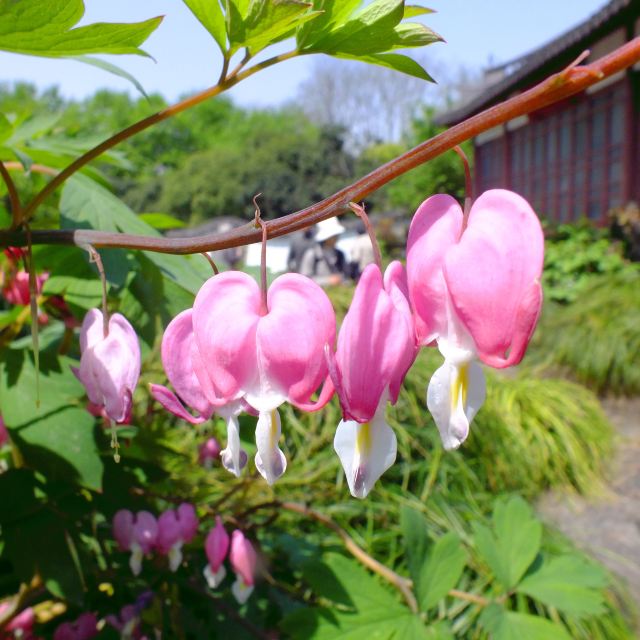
<point>324,262</point>
<point>300,242</point>
<point>361,252</point>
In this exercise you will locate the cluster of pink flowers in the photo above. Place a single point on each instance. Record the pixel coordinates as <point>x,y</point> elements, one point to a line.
<point>471,287</point>
<point>20,626</point>
<point>84,628</point>
<point>242,556</point>
<point>142,534</point>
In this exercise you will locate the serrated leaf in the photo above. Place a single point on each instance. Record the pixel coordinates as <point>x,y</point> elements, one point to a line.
<point>512,543</point>
<point>568,583</point>
<point>209,14</point>
<point>441,571</point>
<point>508,625</point>
<point>367,612</point>
<point>47,29</point>
<point>395,61</point>
<point>113,69</point>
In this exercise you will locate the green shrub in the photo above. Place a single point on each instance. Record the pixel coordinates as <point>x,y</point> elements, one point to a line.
<point>575,257</point>
<point>597,338</point>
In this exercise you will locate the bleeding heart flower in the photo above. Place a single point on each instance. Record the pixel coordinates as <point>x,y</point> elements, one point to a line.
<point>243,560</point>
<point>109,365</point>
<point>138,534</point>
<point>376,347</point>
<point>476,293</point>
<point>184,367</point>
<point>216,546</point>
<point>169,541</point>
<point>265,356</point>
<point>208,451</point>
<point>16,291</point>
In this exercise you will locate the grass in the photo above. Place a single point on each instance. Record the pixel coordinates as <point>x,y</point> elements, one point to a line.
<point>597,338</point>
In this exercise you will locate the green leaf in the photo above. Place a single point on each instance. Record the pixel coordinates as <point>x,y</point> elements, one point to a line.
<point>333,14</point>
<point>18,488</point>
<point>161,221</point>
<point>508,625</point>
<point>25,159</point>
<point>367,610</point>
<point>369,31</point>
<point>59,387</point>
<point>568,583</point>
<point>412,11</point>
<point>62,446</point>
<point>86,204</point>
<point>269,21</point>
<point>414,34</point>
<point>441,571</point>
<point>512,543</point>
<point>210,16</point>
<point>416,541</point>
<point>113,69</point>
<point>395,61</point>
<point>47,29</point>
<point>41,544</point>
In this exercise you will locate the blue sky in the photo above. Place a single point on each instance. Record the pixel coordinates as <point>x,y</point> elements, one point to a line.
<point>477,32</point>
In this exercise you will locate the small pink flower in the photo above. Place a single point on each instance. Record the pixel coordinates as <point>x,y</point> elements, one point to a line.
<point>208,451</point>
<point>126,622</point>
<point>21,625</point>
<point>244,561</point>
<point>476,293</point>
<point>376,347</point>
<point>216,547</point>
<point>185,370</point>
<point>188,521</point>
<point>137,534</point>
<point>169,541</point>
<point>84,628</point>
<point>264,356</point>
<point>109,366</point>
<point>16,291</point>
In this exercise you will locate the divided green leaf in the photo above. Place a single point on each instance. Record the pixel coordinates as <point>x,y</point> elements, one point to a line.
<point>512,543</point>
<point>508,625</point>
<point>367,610</point>
<point>568,583</point>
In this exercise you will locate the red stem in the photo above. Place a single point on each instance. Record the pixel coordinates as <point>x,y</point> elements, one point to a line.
<point>558,87</point>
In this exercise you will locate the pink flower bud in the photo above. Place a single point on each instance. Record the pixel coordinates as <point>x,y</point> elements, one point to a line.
<point>22,623</point>
<point>169,532</point>
<point>208,452</point>
<point>16,291</point>
<point>188,520</point>
<point>123,529</point>
<point>109,366</point>
<point>216,545</point>
<point>243,561</point>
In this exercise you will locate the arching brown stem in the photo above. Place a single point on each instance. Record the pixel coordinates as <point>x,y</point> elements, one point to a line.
<point>558,87</point>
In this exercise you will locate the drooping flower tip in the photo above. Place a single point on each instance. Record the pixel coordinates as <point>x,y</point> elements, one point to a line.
<point>216,547</point>
<point>244,562</point>
<point>109,365</point>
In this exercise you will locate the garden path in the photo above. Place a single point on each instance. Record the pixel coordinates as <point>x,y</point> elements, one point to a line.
<point>608,525</point>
